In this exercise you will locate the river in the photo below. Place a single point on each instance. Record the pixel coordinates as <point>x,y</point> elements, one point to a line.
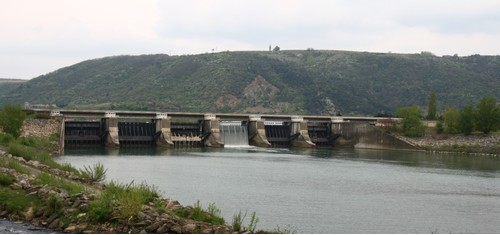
<point>320,190</point>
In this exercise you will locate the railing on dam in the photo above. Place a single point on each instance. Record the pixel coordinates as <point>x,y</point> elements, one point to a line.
<point>89,128</point>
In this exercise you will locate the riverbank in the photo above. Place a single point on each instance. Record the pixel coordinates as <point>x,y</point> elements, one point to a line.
<point>477,144</point>
<point>38,191</point>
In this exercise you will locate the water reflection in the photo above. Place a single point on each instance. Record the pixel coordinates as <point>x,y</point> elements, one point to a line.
<point>404,158</point>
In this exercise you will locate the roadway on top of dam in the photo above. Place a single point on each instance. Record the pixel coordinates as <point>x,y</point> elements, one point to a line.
<point>74,113</point>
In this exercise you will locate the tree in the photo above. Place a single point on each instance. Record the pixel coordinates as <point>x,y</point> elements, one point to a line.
<point>487,117</point>
<point>432,108</point>
<point>452,120</point>
<point>411,122</point>
<point>11,119</point>
<point>466,120</point>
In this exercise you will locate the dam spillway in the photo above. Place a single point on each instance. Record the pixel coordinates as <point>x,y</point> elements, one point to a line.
<point>114,129</point>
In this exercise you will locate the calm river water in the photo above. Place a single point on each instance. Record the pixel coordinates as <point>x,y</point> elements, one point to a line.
<point>321,190</point>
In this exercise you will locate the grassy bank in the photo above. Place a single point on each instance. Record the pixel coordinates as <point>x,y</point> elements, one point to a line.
<point>38,190</point>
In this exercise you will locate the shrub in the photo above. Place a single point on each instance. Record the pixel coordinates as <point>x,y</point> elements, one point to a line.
<point>96,173</point>
<point>121,201</point>
<point>212,215</point>
<point>6,180</point>
<point>238,221</point>
<point>16,200</point>
<point>411,122</point>
<point>6,138</point>
<point>11,119</point>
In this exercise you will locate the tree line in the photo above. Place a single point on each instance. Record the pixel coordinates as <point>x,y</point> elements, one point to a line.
<point>483,117</point>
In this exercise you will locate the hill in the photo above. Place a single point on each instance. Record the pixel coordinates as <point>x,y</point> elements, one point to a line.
<point>9,84</point>
<point>294,82</point>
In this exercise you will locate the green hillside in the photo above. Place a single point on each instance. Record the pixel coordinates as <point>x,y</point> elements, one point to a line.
<point>7,85</point>
<point>298,82</point>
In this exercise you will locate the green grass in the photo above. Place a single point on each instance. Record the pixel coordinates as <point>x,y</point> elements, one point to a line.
<point>5,138</point>
<point>17,200</point>
<point>13,164</point>
<point>95,173</point>
<point>122,202</point>
<point>38,149</point>
<point>6,180</point>
<point>212,215</point>
<point>47,179</point>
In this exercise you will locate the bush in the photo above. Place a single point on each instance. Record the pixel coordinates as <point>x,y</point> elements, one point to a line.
<point>487,117</point>
<point>6,180</point>
<point>411,122</point>
<point>96,173</point>
<point>121,201</point>
<point>212,215</point>
<point>11,119</point>
<point>6,138</point>
<point>16,200</point>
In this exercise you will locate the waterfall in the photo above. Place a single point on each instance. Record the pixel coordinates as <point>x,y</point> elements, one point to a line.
<point>234,134</point>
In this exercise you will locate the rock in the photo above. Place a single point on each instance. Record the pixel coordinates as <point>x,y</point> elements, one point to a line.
<point>77,203</point>
<point>29,214</point>
<point>70,229</point>
<point>143,232</point>
<point>176,229</point>
<point>188,228</point>
<point>140,224</point>
<point>3,213</point>
<point>81,227</point>
<point>208,231</point>
<point>55,224</point>
<point>154,226</point>
<point>162,229</point>
<point>16,186</point>
<point>52,218</point>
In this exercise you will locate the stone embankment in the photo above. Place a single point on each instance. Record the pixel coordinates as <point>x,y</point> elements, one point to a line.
<point>152,221</point>
<point>41,127</point>
<point>449,142</point>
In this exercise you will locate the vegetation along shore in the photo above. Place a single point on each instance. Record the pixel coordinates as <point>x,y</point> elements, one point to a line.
<point>37,190</point>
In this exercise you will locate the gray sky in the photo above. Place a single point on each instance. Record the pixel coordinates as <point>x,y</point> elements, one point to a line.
<point>38,37</point>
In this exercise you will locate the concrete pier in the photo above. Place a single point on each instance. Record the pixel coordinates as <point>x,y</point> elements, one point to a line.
<point>211,132</point>
<point>299,133</point>
<point>257,132</point>
<point>163,131</point>
<point>111,124</point>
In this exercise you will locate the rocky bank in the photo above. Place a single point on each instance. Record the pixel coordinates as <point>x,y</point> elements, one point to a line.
<point>155,217</point>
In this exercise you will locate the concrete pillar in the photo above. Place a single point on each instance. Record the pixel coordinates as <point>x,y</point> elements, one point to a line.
<point>257,132</point>
<point>336,130</point>
<point>163,133</point>
<point>56,115</point>
<point>111,124</point>
<point>300,134</point>
<point>211,132</point>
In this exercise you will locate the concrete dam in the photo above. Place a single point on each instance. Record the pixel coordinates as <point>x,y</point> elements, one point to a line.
<point>121,129</point>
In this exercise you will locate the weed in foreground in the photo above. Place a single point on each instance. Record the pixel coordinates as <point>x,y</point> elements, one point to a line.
<point>17,200</point>
<point>95,173</point>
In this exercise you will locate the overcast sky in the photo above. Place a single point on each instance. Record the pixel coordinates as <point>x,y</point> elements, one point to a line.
<point>38,37</point>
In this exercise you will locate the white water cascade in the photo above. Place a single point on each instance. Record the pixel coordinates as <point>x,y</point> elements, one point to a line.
<point>234,134</point>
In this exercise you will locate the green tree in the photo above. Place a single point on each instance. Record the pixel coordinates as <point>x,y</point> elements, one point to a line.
<point>411,121</point>
<point>11,119</point>
<point>432,108</point>
<point>452,120</point>
<point>487,117</point>
<point>466,120</point>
